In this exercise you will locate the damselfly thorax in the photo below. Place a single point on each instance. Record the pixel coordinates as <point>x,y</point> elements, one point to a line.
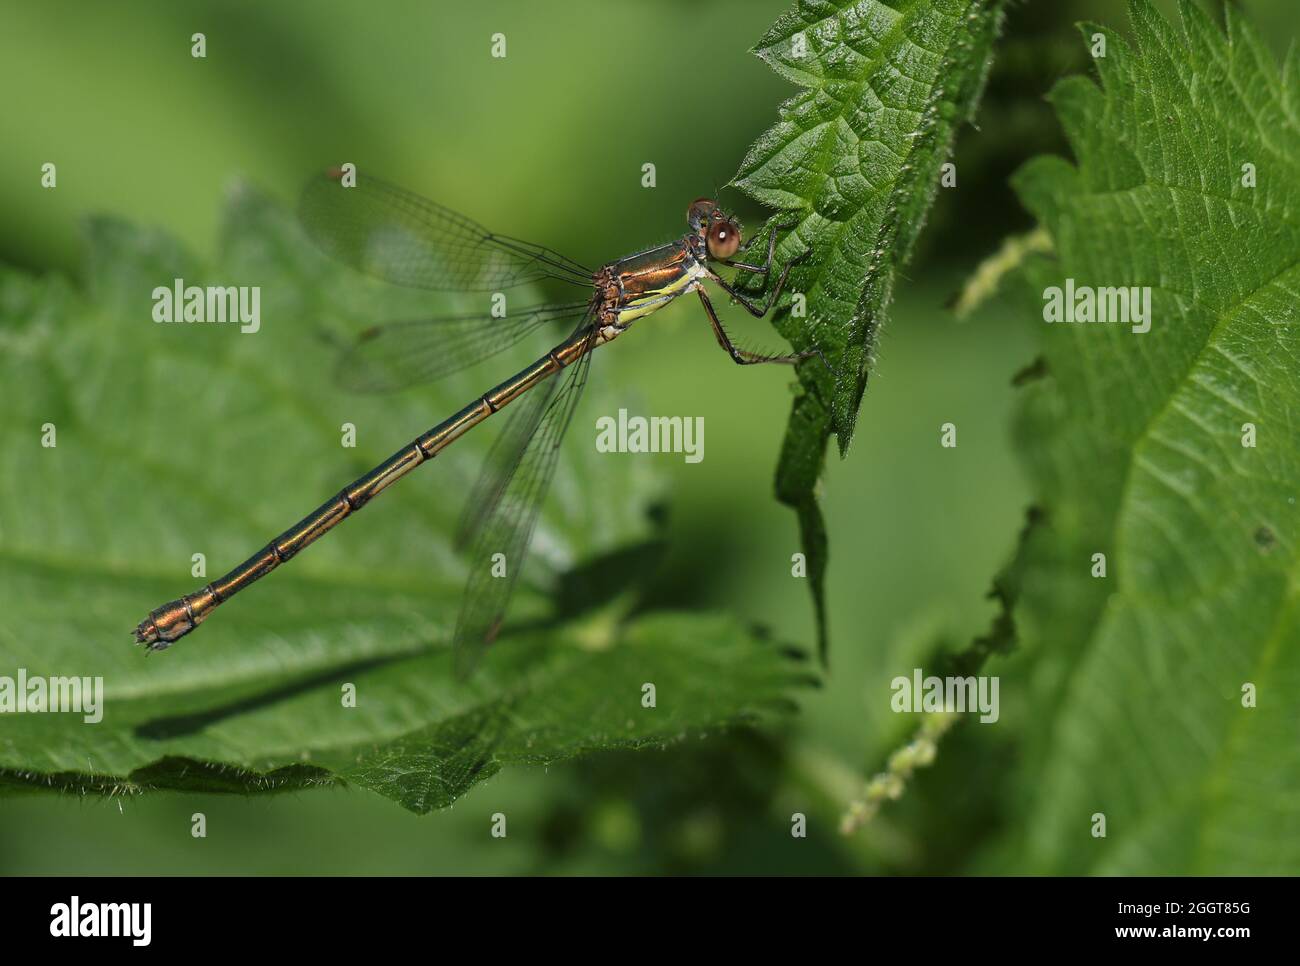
<point>403,238</point>
<point>644,283</point>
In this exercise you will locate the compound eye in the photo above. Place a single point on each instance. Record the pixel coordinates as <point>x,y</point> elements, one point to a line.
<point>724,239</point>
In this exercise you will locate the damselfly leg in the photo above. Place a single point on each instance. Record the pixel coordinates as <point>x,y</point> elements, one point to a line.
<point>747,357</point>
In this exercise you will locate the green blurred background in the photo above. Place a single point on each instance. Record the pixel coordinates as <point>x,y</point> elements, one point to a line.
<point>548,144</point>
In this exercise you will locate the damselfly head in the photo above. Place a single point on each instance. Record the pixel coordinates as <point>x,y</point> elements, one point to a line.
<point>721,232</point>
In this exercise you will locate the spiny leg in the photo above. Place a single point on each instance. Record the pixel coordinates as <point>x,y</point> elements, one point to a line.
<point>772,296</point>
<point>771,247</point>
<point>744,357</point>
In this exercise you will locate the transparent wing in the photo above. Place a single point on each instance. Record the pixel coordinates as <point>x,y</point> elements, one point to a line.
<point>400,237</point>
<point>502,460</point>
<point>400,354</point>
<point>515,484</point>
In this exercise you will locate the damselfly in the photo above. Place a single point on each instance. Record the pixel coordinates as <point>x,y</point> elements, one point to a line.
<point>403,238</point>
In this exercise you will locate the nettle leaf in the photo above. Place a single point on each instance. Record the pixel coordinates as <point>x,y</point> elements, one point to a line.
<point>1135,442</point>
<point>174,440</point>
<point>853,163</point>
